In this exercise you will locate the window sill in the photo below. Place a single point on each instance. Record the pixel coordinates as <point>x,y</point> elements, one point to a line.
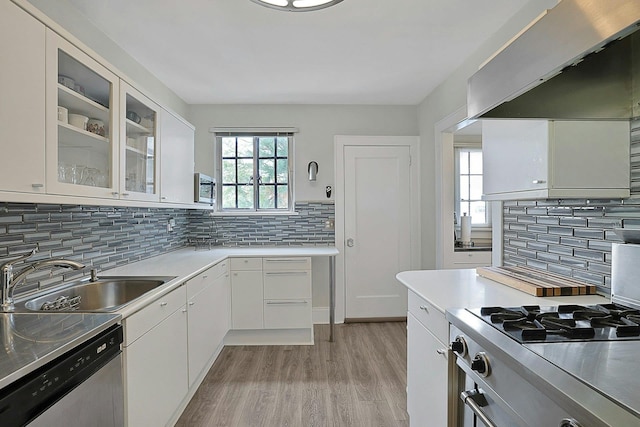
<point>253,213</point>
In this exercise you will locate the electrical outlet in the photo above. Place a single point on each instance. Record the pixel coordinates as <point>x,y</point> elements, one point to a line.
<point>170,225</point>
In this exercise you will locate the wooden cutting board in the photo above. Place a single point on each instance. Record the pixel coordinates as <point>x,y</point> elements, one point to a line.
<point>536,282</point>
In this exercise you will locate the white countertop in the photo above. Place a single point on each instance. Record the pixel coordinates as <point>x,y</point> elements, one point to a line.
<point>188,262</point>
<point>465,289</point>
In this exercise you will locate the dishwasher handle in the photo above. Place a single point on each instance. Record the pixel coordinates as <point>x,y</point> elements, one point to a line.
<point>475,400</point>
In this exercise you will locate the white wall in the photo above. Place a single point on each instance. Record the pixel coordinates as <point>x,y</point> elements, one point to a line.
<point>67,16</point>
<point>318,124</point>
<point>446,99</point>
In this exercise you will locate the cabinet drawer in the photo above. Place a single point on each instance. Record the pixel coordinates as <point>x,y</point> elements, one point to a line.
<point>246,263</point>
<point>472,257</point>
<point>287,314</point>
<point>139,323</point>
<point>289,263</point>
<point>429,316</point>
<point>198,283</point>
<point>287,284</point>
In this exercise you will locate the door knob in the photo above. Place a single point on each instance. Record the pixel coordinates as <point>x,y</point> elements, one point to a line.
<point>350,243</point>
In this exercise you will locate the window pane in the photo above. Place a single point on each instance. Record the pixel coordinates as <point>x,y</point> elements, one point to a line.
<point>464,187</point>
<point>464,162</point>
<point>245,197</point>
<point>267,197</point>
<point>283,171</point>
<point>282,147</point>
<point>228,197</point>
<point>266,147</point>
<point>475,161</point>
<point>228,171</point>
<point>245,171</point>
<point>266,171</point>
<point>228,147</point>
<point>245,147</point>
<point>283,197</point>
<point>478,213</point>
<point>475,184</point>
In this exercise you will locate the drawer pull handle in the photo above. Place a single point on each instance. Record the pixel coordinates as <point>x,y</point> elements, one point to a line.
<point>287,273</point>
<point>441,351</point>
<point>538,181</point>
<point>184,310</point>
<point>286,302</point>
<point>424,307</point>
<point>37,185</point>
<point>163,304</point>
<point>205,276</point>
<point>286,260</point>
<point>191,303</point>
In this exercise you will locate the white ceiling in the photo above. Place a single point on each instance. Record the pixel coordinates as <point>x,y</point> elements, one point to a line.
<point>358,52</point>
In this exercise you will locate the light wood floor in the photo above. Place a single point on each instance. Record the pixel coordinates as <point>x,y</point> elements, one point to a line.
<point>358,380</point>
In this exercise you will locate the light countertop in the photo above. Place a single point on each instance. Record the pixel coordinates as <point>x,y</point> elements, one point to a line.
<point>465,289</point>
<point>189,262</point>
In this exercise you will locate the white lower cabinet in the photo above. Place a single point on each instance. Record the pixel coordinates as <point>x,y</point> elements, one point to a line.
<point>208,320</point>
<point>247,300</point>
<point>427,365</point>
<point>156,369</point>
<point>271,296</point>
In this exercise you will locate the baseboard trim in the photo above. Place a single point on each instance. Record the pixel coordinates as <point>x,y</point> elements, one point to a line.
<point>320,315</point>
<point>374,319</point>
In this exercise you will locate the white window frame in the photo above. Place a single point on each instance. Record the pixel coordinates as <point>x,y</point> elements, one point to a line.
<point>457,148</point>
<point>255,135</point>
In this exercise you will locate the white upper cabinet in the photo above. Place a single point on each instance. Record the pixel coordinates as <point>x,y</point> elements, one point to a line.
<point>534,159</point>
<point>176,159</point>
<point>81,141</point>
<point>139,167</point>
<point>22,104</point>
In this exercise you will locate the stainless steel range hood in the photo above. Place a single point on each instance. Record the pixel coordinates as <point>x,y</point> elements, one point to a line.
<point>581,60</point>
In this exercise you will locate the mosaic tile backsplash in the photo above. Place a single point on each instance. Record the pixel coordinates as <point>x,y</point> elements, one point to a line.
<point>106,237</point>
<point>572,237</point>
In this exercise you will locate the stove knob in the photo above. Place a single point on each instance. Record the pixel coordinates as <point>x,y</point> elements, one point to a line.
<point>459,346</point>
<point>480,364</point>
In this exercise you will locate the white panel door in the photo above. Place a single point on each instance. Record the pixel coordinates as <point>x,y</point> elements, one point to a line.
<point>377,229</point>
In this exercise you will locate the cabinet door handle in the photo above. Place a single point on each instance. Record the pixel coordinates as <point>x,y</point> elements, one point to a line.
<point>163,198</point>
<point>184,310</point>
<point>191,303</point>
<point>538,181</point>
<point>425,308</point>
<point>205,276</point>
<point>163,304</point>
<point>37,185</point>
<point>115,193</point>
<point>441,351</point>
<point>125,194</point>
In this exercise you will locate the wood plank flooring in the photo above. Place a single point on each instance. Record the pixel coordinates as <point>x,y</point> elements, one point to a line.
<point>358,380</point>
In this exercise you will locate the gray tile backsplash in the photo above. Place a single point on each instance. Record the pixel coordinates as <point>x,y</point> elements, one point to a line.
<point>572,237</point>
<point>106,237</point>
<point>306,227</point>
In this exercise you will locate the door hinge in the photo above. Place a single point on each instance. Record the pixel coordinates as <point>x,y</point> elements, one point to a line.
<point>410,160</point>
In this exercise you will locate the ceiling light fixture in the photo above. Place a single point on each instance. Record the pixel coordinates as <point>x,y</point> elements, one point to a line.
<point>297,5</point>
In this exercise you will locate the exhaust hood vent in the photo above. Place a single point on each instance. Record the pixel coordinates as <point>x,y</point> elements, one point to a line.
<point>579,61</point>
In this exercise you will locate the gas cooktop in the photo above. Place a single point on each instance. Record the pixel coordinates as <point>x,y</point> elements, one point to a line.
<point>532,323</point>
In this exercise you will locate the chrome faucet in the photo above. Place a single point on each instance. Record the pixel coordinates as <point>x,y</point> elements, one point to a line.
<point>11,281</point>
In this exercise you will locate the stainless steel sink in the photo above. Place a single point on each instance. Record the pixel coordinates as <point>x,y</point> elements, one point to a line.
<point>105,294</point>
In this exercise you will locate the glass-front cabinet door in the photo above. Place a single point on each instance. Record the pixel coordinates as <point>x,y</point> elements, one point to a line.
<point>82,123</point>
<point>139,170</point>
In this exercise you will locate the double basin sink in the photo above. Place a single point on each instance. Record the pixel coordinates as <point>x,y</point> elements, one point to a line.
<point>106,294</point>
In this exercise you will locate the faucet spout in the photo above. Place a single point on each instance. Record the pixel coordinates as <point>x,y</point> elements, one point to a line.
<point>10,282</point>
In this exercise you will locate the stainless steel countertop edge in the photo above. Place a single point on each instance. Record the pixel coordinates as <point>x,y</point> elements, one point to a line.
<point>110,320</point>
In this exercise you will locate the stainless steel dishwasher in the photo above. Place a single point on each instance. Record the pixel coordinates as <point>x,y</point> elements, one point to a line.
<point>82,387</point>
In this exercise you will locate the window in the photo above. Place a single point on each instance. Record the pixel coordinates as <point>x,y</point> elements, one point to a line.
<point>253,172</point>
<point>468,186</point>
